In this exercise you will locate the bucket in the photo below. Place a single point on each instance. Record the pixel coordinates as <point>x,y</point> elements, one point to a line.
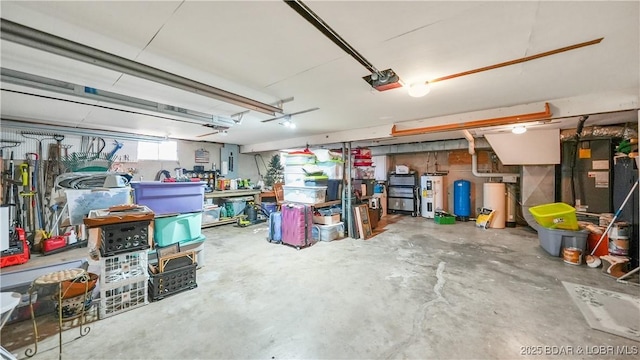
<point>619,246</point>
<point>619,229</point>
<point>269,207</point>
<point>572,256</point>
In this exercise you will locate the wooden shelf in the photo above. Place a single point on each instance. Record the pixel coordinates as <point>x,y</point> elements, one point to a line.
<point>230,193</point>
<point>224,221</point>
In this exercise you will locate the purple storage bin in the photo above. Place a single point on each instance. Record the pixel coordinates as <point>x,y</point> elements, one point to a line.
<point>169,198</point>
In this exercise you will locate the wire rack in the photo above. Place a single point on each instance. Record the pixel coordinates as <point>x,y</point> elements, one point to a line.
<point>86,161</point>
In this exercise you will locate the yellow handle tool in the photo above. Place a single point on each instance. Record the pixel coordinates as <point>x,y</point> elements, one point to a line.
<point>24,170</point>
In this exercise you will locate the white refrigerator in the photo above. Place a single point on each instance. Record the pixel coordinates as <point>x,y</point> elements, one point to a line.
<point>432,195</point>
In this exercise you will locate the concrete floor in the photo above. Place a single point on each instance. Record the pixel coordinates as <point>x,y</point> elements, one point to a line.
<point>418,290</point>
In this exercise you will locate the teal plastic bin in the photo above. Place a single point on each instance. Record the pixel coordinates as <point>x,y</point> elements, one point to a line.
<point>169,230</point>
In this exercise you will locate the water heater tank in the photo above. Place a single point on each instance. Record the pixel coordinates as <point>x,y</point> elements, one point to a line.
<point>494,195</point>
<point>432,193</point>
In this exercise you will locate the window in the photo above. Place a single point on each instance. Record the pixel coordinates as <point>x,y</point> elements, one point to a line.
<point>166,150</point>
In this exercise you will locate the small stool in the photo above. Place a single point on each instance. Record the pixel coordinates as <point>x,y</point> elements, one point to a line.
<point>58,278</point>
<point>8,302</point>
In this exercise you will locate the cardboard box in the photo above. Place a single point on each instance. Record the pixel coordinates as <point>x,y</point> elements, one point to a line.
<point>326,220</point>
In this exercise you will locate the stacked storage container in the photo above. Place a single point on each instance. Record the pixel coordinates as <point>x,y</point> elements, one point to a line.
<point>363,167</point>
<point>294,163</point>
<point>559,228</point>
<point>300,186</point>
<point>123,280</point>
<point>178,207</point>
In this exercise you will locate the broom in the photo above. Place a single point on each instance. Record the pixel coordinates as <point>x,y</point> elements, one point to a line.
<point>594,261</point>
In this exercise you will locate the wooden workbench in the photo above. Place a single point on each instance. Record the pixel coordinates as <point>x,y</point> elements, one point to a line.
<point>216,194</point>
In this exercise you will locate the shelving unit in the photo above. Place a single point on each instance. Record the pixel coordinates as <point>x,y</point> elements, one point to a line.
<point>402,193</point>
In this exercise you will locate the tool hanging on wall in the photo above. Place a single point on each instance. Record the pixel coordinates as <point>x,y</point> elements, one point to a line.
<point>4,144</point>
<point>39,137</point>
<point>36,202</point>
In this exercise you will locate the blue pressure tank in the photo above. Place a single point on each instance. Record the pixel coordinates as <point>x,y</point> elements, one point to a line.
<point>462,199</point>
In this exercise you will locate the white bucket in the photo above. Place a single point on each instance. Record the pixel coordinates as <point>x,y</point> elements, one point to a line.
<point>619,229</point>
<point>619,246</point>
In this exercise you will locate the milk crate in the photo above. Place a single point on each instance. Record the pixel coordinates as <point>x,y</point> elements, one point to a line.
<point>172,282</point>
<point>129,294</point>
<point>124,237</point>
<point>122,267</point>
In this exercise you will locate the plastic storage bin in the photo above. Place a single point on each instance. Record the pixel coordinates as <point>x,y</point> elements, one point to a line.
<point>210,214</point>
<point>555,216</point>
<point>368,172</point>
<point>318,180</point>
<point>173,229</point>
<point>169,198</point>
<point>172,282</point>
<point>305,194</point>
<point>444,219</point>
<point>333,169</point>
<point>328,232</point>
<point>294,178</point>
<point>299,159</point>
<point>235,206</point>
<point>553,240</point>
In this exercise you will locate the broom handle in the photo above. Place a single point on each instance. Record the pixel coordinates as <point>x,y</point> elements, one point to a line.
<point>635,185</point>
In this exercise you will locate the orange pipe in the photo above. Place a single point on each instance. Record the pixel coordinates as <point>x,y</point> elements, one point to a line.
<point>518,61</point>
<point>515,119</point>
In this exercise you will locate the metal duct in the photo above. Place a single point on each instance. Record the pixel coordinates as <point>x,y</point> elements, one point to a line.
<point>617,131</point>
<point>537,187</point>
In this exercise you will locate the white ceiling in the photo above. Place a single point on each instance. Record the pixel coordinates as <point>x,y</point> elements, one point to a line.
<point>266,51</point>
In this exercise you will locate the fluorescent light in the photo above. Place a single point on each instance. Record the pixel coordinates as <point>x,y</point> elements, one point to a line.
<point>419,89</point>
<point>20,124</point>
<point>76,90</point>
<point>519,130</point>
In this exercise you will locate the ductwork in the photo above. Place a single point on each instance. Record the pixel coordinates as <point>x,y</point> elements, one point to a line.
<point>616,131</point>
<point>474,160</point>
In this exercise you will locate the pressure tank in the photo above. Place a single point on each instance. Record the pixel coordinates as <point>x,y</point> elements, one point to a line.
<point>494,198</point>
<point>462,199</point>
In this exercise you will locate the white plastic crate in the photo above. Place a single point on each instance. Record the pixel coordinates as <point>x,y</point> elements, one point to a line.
<point>122,267</point>
<point>328,232</point>
<point>305,194</point>
<point>333,169</point>
<point>127,295</point>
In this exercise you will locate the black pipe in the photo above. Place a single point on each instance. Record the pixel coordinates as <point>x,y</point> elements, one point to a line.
<point>581,122</point>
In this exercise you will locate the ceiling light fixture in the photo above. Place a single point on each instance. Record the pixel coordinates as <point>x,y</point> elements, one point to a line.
<point>519,130</point>
<point>23,35</point>
<point>288,123</point>
<point>419,89</point>
<point>66,88</point>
